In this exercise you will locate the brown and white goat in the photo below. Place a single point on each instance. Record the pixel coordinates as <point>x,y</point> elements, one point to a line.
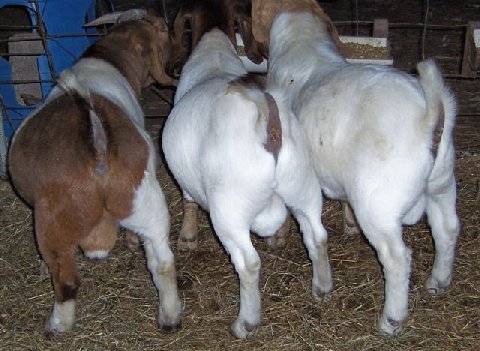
<point>85,163</point>
<point>238,151</point>
<point>201,16</point>
<point>264,12</point>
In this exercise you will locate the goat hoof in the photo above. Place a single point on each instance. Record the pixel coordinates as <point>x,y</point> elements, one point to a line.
<point>390,327</point>
<point>275,243</point>
<point>243,329</point>
<point>170,329</point>
<point>351,230</point>
<point>319,293</point>
<point>185,244</point>
<point>43,270</point>
<point>52,335</point>
<point>132,241</point>
<point>56,330</point>
<point>435,287</point>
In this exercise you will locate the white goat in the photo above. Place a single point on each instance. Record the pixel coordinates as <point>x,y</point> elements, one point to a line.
<point>374,134</point>
<point>216,142</point>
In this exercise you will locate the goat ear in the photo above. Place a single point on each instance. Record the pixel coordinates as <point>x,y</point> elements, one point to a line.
<point>179,28</point>
<point>157,57</point>
<point>251,46</point>
<point>263,14</point>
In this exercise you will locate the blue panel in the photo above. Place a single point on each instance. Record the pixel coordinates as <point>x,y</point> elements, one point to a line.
<point>63,18</point>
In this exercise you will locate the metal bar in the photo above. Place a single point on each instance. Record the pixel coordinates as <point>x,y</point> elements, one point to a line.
<point>43,36</point>
<point>458,76</point>
<point>56,36</point>
<point>4,54</point>
<point>14,108</point>
<point>30,81</point>
<point>403,25</point>
<point>3,27</point>
<point>468,115</point>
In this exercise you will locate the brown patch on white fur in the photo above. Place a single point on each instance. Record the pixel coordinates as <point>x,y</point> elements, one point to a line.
<point>274,127</point>
<point>438,131</point>
<point>53,167</point>
<point>268,108</point>
<point>265,11</point>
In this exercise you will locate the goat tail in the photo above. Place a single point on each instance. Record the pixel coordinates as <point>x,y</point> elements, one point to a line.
<point>441,106</point>
<point>68,81</point>
<point>251,86</point>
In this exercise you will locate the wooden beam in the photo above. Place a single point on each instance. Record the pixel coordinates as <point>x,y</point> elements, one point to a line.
<point>471,50</point>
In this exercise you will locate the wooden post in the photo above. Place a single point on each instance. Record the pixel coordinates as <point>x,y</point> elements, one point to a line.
<point>3,149</point>
<point>380,28</point>
<point>471,50</point>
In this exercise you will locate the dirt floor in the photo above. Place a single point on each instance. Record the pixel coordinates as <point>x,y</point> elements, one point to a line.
<point>117,303</point>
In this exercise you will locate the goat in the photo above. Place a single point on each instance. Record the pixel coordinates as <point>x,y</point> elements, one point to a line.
<point>207,14</point>
<point>264,11</point>
<point>380,140</point>
<point>237,151</point>
<point>85,163</point>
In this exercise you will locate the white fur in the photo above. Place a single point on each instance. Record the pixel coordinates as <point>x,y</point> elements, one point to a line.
<point>99,76</point>
<point>96,255</point>
<point>213,142</point>
<point>150,220</point>
<point>370,133</point>
<point>62,316</point>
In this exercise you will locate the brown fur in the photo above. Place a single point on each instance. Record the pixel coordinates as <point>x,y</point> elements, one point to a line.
<point>250,81</point>
<point>53,167</point>
<point>438,131</point>
<point>274,126</point>
<point>102,237</point>
<point>138,49</point>
<point>206,15</point>
<point>265,11</point>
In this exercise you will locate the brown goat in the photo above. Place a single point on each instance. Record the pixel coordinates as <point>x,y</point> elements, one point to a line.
<point>201,16</point>
<point>265,11</point>
<point>84,162</point>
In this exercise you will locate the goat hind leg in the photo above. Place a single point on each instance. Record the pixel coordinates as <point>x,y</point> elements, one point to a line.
<point>350,225</point>
<point>395,258</point>
<point>59,257</point>
<point>278,240</point>
<point>188,238</point>
<point>444,222</point>
<point>150,219</point>
<point>246,261</point>
<point>307,206</point>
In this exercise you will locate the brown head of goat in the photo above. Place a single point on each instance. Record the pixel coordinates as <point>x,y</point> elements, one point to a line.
<point>201,16</point>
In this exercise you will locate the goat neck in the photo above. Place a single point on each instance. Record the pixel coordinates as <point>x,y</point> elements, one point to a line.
<point>300,47</point>
<point>128,48</point>
<point>214,56</point>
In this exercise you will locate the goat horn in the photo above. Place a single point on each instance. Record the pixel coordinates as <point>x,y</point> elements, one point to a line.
<point>117,17</point>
